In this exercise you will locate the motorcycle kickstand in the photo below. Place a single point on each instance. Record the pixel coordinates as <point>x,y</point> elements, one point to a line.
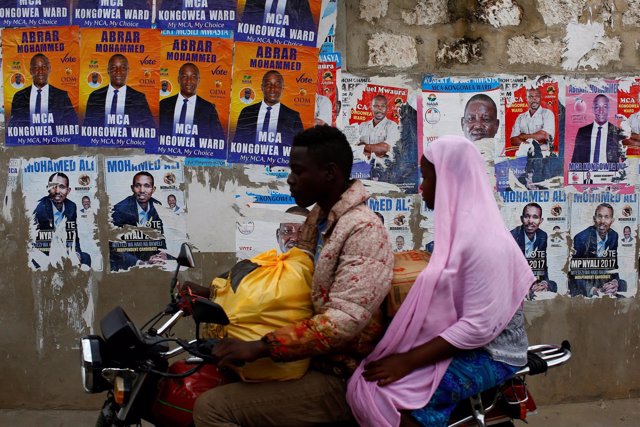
<point>478,410</point>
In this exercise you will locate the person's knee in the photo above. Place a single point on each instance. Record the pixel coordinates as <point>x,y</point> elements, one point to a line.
<point>209,408</point>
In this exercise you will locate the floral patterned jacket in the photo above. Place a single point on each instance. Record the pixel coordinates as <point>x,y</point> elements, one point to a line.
<point>352,277</point>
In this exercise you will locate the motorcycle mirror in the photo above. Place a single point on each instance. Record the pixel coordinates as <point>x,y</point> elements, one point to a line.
<point>204,310</point>
<point>185,258</point>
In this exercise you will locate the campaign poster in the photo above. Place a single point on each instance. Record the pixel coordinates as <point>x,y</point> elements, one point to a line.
<point>464,106</point>
<point>531,157</point>
<point>269,219</point>
<point>211,18</point>
<point>327,93</point>
<point>289,22</point>
<point>119,86</point>
<point>61,207</point>
<point>147,211</point>
<point>41,74</point>
<point>381,126</point>
<point>195,87</point>
<point>33,13</point>
<point>629,115</point>
<point>594,153</point>
<point>327,27</point>
<point>427,225</point>
<point>604,230</point>
<point>272,99</point>
<point>394,213</point>
<point>539,222</point>
<point>112,13</point>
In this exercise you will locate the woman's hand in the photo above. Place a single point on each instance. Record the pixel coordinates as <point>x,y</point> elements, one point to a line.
<point>388,369</point>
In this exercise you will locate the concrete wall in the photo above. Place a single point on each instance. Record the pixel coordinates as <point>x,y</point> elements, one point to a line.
<point>43,314</point>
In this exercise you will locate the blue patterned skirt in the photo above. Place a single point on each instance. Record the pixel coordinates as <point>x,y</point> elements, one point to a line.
<point>469,373</point>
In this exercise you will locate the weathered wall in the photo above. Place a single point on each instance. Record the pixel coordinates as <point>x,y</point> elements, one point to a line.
<point>44,313</point>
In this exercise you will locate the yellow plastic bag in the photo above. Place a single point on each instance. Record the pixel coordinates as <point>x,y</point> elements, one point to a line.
<point>261,294</point>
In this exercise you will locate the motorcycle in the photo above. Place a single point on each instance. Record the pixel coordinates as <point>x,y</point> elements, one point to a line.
<point>134,368</point>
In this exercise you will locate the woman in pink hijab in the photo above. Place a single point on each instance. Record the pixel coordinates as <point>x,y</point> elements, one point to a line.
<point>461,328</point>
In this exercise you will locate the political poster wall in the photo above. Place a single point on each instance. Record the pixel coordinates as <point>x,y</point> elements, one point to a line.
<point>41,74</point>
<point>539,223</point>
<point>290,22</point>
<point>61,207</point>
<point>272,99</point>
<point>119,87</point>
<point>604,234</point>
<point>327,27</point>
<point>33,13</point>
<point>594,151</point>
<point>394,213</point>
<point>211,18</point>
<point>531,158</point>
<point>195,90</point>
<point>112,13</point>
<point>147,211</point>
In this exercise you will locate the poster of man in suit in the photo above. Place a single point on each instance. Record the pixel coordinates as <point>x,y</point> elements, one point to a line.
<point>600,265</point>
<point>194,113</point>
<point>59,234</point>
<point>145,232</point>
<point>123,110</point>
<point>293,22</point>
<point>536,219</point>
<point>42,110</point>
<point>284,80</point>
<point>593,138</point>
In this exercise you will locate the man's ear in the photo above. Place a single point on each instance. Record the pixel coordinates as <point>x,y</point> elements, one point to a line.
<point>332,171</point>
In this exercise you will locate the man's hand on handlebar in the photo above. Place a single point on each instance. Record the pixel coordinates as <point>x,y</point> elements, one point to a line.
<point>196,289</point>
<point>232,352</point>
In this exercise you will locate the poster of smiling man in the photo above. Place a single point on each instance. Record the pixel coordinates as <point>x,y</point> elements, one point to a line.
<point>147,211</point>
<point>119,87</point>
<point>603,261</point>
<point>61,205</point>
<point>272,99</point>
<point>41,73</point>
<point>195,80</point>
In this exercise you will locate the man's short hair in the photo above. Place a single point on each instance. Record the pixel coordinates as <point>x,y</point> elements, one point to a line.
<point>625,228</point>
<point>600,95</point>
<point>264,77</point>
<point>483,98</point>
<point>604,205</point>
<point>86,197</point>
<point>534,205</point>
<point>380,97</point>
<point>142,173</point>
<point>39,55</point>
<point>188,63</point>
<point>118,55</point>
<point>326,145</point>
<point>171,195</point>
<point>53,175</point>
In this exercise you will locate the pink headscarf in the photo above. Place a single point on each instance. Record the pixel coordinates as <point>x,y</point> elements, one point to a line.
<point>474,283</point>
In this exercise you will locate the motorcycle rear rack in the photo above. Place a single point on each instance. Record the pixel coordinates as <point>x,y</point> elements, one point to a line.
<point>552,355</point>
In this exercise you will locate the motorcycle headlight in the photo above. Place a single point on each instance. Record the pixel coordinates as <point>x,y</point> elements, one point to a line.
<point>92,365</point>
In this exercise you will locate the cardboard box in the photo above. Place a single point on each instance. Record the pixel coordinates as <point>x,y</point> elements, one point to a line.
<point>408,265</point>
